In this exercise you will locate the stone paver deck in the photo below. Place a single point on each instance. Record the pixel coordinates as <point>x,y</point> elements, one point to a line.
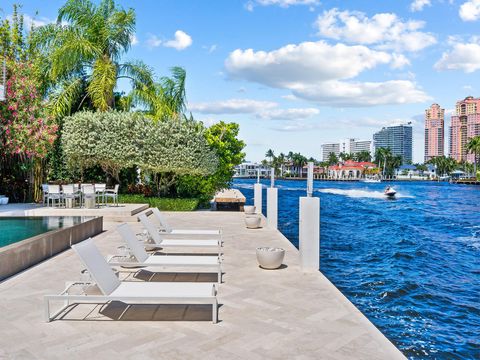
<point>277,314</point>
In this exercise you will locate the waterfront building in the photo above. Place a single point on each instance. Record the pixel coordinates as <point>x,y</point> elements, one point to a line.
<point>397,138</point>
<point>348,146</point>
<point>464,125</point>
<point>250,170</point>
<point>330,148</point>
<point>434,132</point>
<point>352,170</point>
<point>412,173</point>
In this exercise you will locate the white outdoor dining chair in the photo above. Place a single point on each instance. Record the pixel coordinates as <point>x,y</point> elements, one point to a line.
<point>100,193</point>
<point>111,194</point>
<point>70,192</point>
<point>45,193</point>
<point>54,195</point>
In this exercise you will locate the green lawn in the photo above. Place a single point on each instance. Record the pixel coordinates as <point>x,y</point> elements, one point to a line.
<point>166,204</point>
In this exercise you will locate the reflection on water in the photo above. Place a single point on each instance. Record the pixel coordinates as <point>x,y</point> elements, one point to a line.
<point>411,265</point>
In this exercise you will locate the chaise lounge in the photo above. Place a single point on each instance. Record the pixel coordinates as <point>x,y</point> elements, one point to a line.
<point>160,241</point>
<point>130,292</point>
<point>143,259</point>
<point>167,229</point>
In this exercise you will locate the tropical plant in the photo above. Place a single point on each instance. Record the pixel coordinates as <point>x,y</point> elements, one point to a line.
<point>345,156</point>
<point>473,146</point>
<point>270,154</point>
<point>165,100</point>
<point>363,156</point>
<point>444,165</point>
<point>223,139</point>
<point>81,55</point>
<point>117,140</point>
<point>332,159</point>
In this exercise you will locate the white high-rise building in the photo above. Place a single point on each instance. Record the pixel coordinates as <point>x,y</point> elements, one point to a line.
<point>330,148</point>
<point>348,146</point>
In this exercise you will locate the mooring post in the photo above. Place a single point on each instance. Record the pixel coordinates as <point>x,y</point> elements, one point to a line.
<point>272,203</point>
<point>257,193</point>
<point>309,227</point>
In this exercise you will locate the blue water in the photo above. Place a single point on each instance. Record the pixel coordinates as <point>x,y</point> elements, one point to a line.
<point>411,265</point>
<point>14,229</point>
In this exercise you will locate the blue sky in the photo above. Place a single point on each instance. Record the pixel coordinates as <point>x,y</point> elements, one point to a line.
<point>297,73</point>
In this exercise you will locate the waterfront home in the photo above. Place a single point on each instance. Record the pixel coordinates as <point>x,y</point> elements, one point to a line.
<point>352,170</point>
<point>412,172</point>
<point>249,169</point>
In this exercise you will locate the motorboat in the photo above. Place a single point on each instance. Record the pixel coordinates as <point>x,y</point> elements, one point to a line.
<point>389,192</point>
<point>367,180</point>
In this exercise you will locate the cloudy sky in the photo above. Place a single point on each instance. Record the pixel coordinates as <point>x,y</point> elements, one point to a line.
<point>298,73</point>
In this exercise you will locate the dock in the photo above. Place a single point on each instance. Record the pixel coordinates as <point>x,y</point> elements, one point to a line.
<point>263,314</point>
<point>229,199</point>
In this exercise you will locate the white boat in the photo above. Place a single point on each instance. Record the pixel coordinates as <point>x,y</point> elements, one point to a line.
<point>371,180</point>
<point>389,192</point>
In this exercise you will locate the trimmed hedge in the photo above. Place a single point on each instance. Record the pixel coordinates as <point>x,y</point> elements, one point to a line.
<point>165,204</point>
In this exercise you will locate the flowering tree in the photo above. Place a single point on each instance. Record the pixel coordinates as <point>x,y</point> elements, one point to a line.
<point>26,128</point>
<point>27,132</point>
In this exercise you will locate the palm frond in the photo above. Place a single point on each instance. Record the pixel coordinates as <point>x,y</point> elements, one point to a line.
<point>101,83</point>
<point>67,93</point>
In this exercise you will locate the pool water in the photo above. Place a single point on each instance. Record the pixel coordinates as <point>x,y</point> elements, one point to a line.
<point>14,229</point>
<point>411,265</point>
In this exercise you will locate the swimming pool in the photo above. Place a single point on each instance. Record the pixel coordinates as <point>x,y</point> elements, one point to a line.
<point>14,229</point>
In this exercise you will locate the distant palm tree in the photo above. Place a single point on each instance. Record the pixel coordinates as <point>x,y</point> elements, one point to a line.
<point>473,146</point>
<point>363,156</point>
<point>332,159</point>
<point>81,55</point>
<point>270,154</point>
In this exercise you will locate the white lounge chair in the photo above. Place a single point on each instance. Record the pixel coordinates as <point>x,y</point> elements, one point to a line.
<point>161,261</point>
<point>159,239</point>
<point>167,229</point>
<point>130,292</point>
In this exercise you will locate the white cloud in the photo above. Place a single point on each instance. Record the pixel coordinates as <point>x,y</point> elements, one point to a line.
<point>307,62</point>
<point>317,71</point>
<point>288,114</point>
<point>232,106</point>
<point>385,30</point>
<point>181,41</point>
<point>464,57</point>
<point>418,5</point>
<point>134,40</point>
<point>399,61</point>
<point>290,97</point>
<point>282,3</point>
<point>153,41</point>
<point>357,94</point>
<point>210,49</point>
<point>470,10</point>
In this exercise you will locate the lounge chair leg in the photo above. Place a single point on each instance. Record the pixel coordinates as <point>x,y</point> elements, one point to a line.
<point>215,311</point>
<point>47,310</point>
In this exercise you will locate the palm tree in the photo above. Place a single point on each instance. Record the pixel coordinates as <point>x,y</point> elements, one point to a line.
<point>473,146</point>
<point>332,159</point>
<point>270,154</point>
<point>164,100</point>
<point>363,156</point>
<point>81,59</point>
<point>345,156</point>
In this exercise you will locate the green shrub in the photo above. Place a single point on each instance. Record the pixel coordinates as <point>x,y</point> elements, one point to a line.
<point>165,204</point>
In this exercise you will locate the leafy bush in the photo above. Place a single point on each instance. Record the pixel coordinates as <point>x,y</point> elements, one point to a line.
<point>118,140</point>
<point>166,204</point>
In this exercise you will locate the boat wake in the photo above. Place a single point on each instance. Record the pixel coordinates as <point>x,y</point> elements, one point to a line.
<point>353,193</point>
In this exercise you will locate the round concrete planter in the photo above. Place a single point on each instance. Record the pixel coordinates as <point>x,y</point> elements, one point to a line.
<point>253,221</point>
<point>270,258</point>
<point>249,209</point>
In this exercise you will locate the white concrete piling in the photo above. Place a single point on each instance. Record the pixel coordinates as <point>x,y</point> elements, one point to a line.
<point>257,193</point>
<point>309,227</point>
<point>272,208</point>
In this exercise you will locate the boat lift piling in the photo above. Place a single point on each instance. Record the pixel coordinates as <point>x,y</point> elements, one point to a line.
<point>272,202</point>
<point>309,227</point>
